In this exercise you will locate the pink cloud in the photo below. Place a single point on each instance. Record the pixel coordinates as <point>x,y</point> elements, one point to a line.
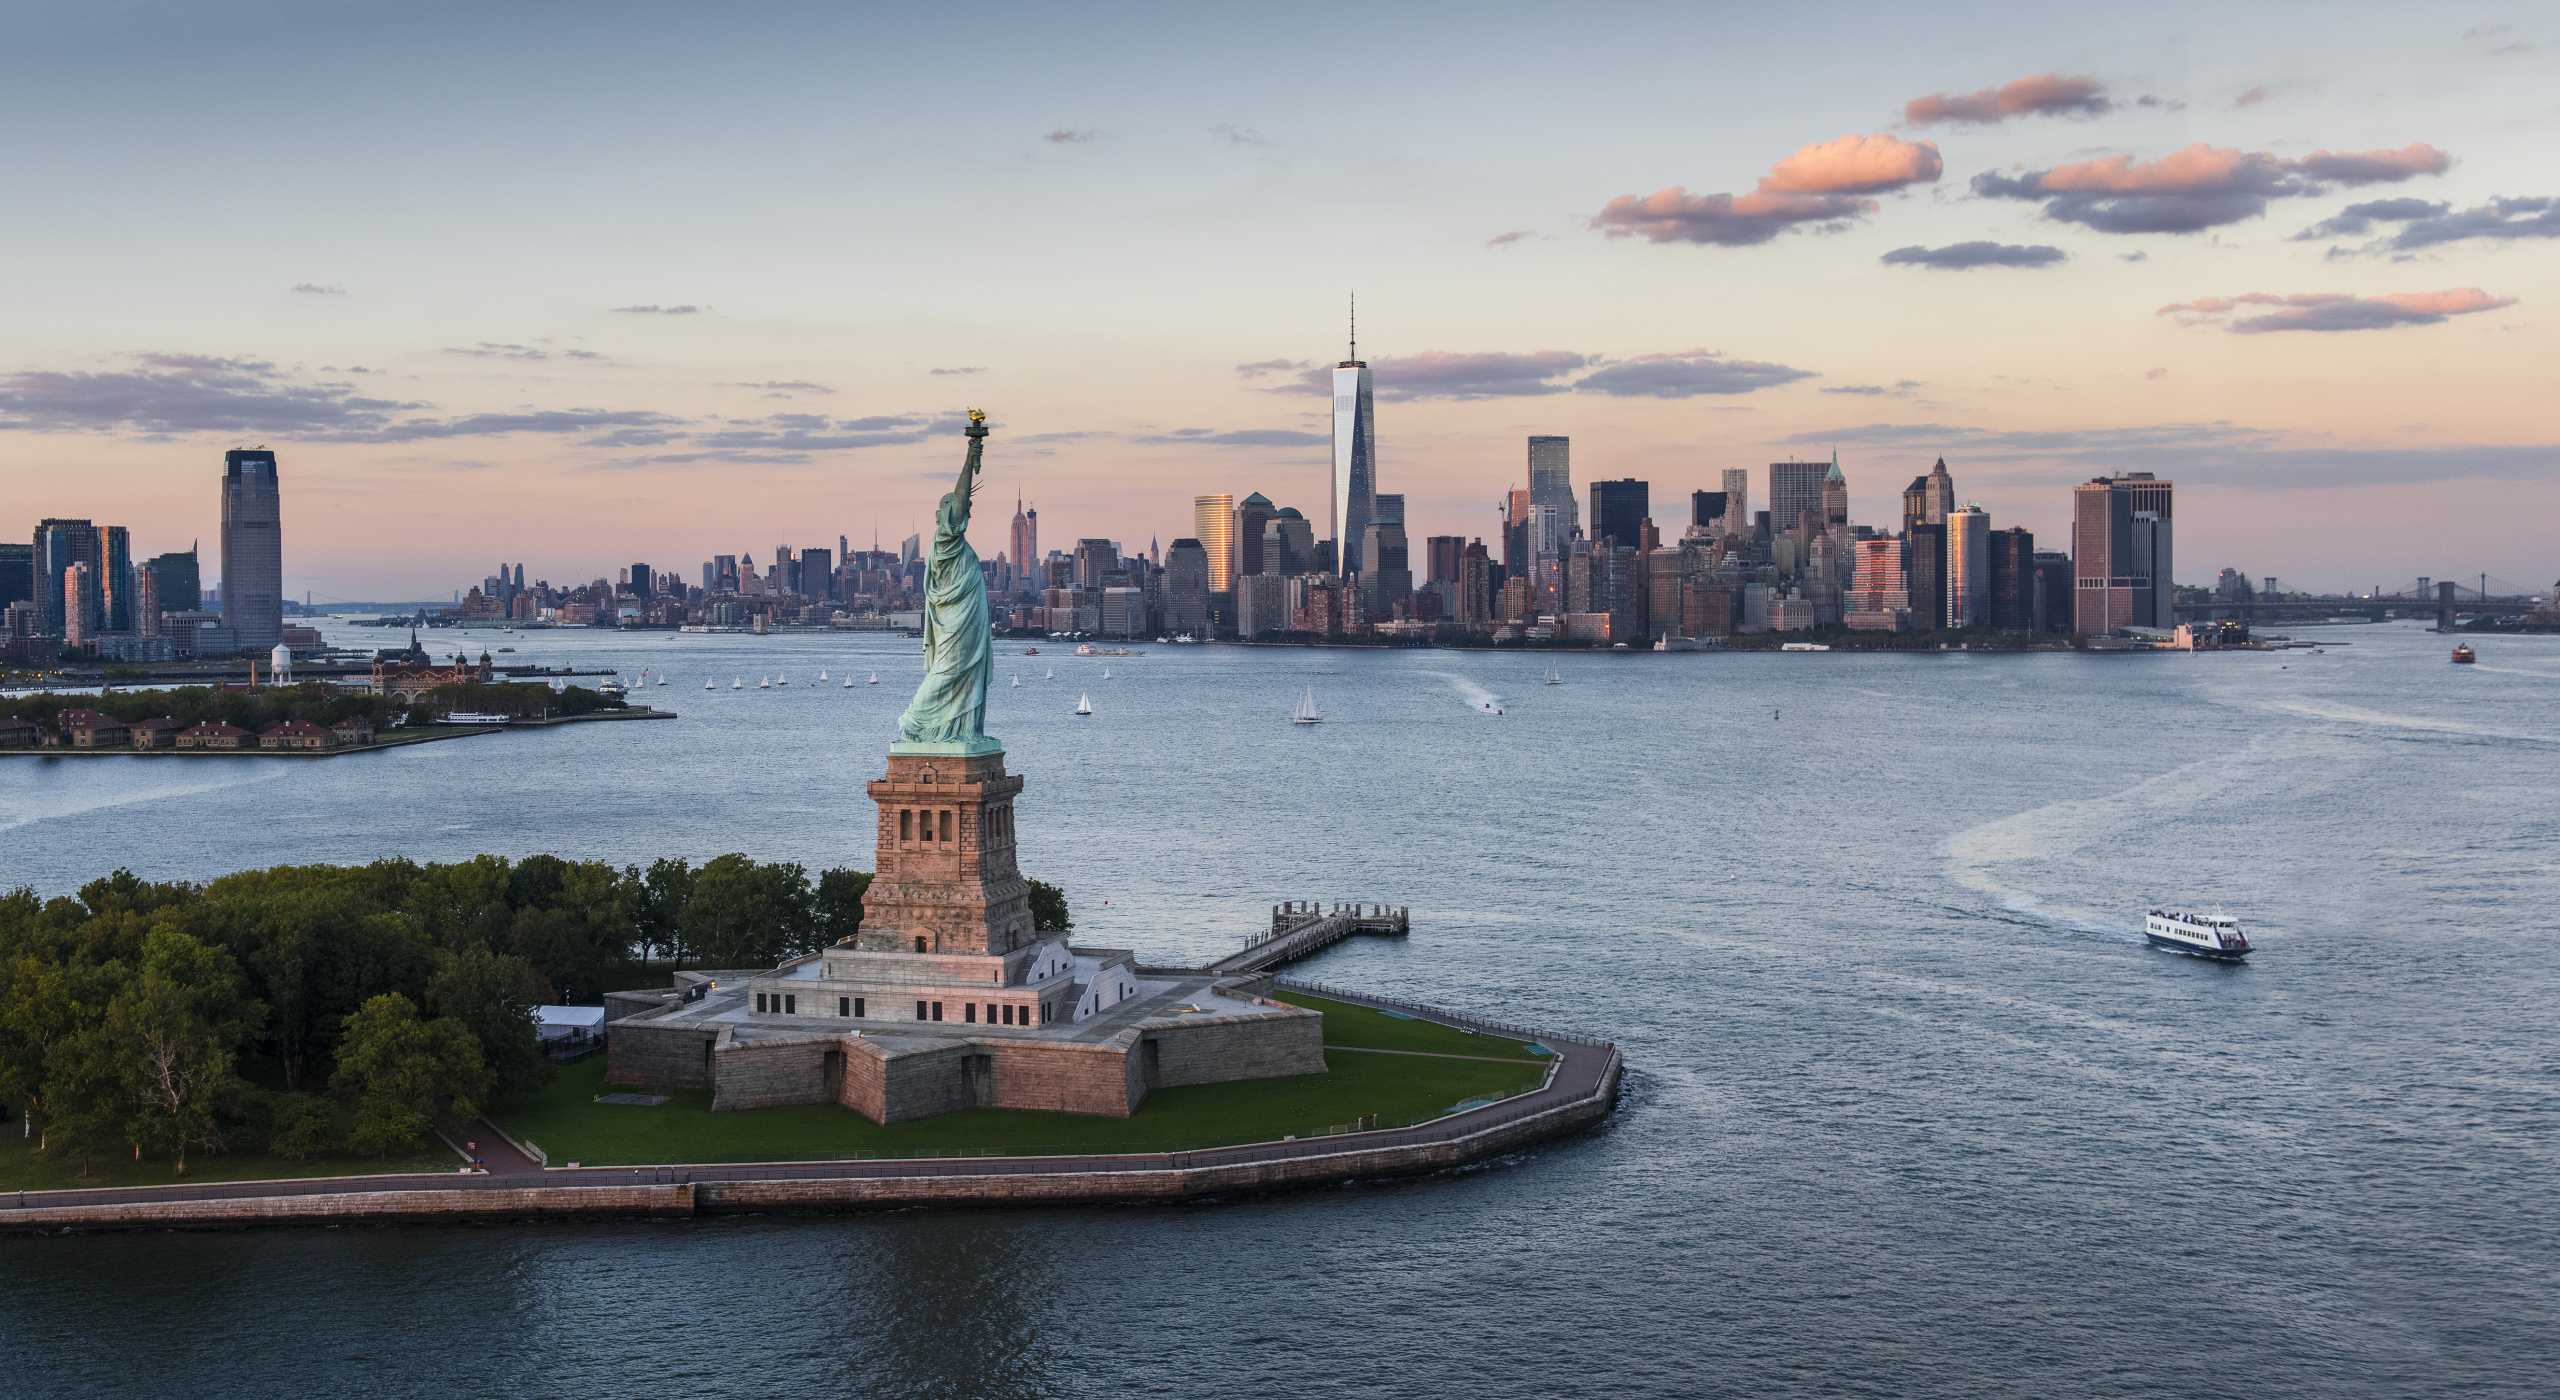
<point>2375,167</point>
<point>1855,165</point>
<point>2043,95</point>
<point>2199,187</point>
<point>1818,187</point>
<point>2333,311</point>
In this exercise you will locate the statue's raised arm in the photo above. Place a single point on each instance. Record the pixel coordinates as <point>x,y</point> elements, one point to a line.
<point>964,491</point>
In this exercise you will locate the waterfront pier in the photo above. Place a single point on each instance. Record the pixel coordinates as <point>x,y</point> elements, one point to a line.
<point>1300,928</point>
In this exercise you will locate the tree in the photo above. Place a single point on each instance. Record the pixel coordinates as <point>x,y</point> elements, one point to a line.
<point>173,1029</point>
<point>301,1126</point>
<point>492,995</point>
<point>743,914</point>
<point>657,902</point>
<point>394,1068</point>
<point>839,903</point>
<point>1049,908</point>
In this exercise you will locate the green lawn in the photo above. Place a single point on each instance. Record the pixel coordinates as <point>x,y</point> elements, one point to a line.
<point>564,1119</point>
<point>22,1170</point>
<point>1350,1025</point>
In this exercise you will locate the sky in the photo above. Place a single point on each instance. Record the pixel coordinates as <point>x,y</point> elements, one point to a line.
<point>582,285</point>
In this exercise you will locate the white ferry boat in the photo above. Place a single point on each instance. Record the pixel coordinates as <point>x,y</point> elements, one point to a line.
<point>2215,936</point>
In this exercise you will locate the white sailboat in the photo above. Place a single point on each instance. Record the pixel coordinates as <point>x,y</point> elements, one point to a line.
<point>1106,673</point>
<point>872,679</point>
<point>848,682</point>
<point>1306,713</point>
<point>737,682</point>
<point>706,683</point>
<point>1017,682</point>
<point>764,682</point>
<point>1084,706</point>
<point>1553,678</point>
<point>1049,675</point>
<point>662,678</point>
<point>822,675</point>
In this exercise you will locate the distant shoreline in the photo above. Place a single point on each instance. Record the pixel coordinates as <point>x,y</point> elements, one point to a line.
<point>423,735</point>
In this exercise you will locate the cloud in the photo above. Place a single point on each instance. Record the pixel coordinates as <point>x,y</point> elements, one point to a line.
<point>1235,135</point>
<point>2044,95</point>
<point>2498,39</point>
<point>2137,255</point>
<point>1900,388</point>
<point>2429,225</point>
<point>1240,437</point>
<point>2226,453</point>
<point>2251,97</point>
<point>1686,375</point>
<point>2360,218</point>
<point>957,369</point>
<point>319,289</point>
<point>653,309</point>
<point>779,386</point>
<point>1505,240</point>
<point>1443,374</point>
<point>1257,368</point>
<point>1855,165</point>
<point>2333,311</point>
<point>2156,372</point>
<point>1820,187</point>
<point>1959,256</point>
<point>2199,187</point>
<point>1069,136</point>
<point>165,395</point>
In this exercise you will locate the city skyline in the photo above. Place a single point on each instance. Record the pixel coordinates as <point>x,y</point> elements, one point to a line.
<point>2300,272</point>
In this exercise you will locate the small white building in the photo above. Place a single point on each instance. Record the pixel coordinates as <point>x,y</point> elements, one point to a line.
<point>568,1025</point>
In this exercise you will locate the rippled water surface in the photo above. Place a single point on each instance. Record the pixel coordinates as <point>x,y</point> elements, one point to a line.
<point>1912,1110</point>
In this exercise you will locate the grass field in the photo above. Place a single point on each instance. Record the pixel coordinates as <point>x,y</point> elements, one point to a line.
<point>22,1170</point>
<point>1367,1028</point>
<point>567,1123</point>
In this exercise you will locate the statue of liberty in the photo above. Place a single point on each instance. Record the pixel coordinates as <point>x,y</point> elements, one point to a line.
<point>949,713</point>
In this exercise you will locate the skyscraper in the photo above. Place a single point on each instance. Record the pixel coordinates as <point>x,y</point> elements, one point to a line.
<point>1938,494</point>
<point>1924,549</point>
<point>252,550</point>
<point>1288,543</point>
<point>817,575</point>
<point>1024,545</point>
<point>1795,491</point>
<point>1706,509</point>
<point>1551,478</point>
<point>1252,514</point>
<point>1835,497</point>
<point>1213,527</point>
<point>1386,571</point>
<point>83,610</point>
<point>1968,567</point>
<point>2013,580</point>
<point>17,574</point>
<point>115,577</point>
<point>174,577</point>
<point>59,544</point>
<point>1619,509</point>
<point>1517,556</point>
<point>2120,554</point>
<point>1355,466</point>
<point>1390,508</point>
<point>1442,554</point>
<point>643,580</point>
<point>1737,500</point>
<point>1188,568</point>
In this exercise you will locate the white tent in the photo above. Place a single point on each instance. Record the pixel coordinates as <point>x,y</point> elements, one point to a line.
<point>568,1022</point>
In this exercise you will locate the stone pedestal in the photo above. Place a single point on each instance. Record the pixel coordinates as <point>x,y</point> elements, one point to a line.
<point>944,879</point>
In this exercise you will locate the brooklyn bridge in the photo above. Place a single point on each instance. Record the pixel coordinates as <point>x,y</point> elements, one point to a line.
<point>2444,600</point>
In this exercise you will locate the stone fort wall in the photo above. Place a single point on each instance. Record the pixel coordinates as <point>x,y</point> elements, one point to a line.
<point>1217,1049</point>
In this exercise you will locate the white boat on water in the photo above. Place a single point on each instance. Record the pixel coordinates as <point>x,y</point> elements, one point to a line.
<point>1084,706</point>
<point>1488,707</point>
<point>1553,678</point>
<point>662,678</point>
<point>1306,713</point>
<point>1049,675</point>
<point>1106,673</point>
<point>1803,646</point>
<point>848,682</point>
<point>1017,682</point>
<point>822,675</point>
<point>872,679</point>
<point>2215,936</point>
<point>610,686</point>
<point>706,683</point>
<point>471,717</point>
<point>737,682</point>
<point>764,682</point>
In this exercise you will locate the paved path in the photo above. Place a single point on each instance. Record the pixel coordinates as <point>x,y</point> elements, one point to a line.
<point>1583,1068</point>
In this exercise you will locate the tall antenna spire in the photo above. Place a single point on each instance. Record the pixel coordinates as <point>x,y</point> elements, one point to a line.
<point>1355,325</point>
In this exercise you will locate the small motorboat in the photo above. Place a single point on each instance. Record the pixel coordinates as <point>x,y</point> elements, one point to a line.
<point>1084,707</point>
<point>1489,707</point>
<point>2463,655</point>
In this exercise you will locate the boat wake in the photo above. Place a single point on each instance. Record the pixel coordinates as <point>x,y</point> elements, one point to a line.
<point>2415,724</point>
<point>1476,696</point>
<point>1975,857</point>
<point>81,806</point>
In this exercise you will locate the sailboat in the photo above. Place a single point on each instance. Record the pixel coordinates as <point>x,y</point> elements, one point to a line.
<point>1050,675</point>
<point>706,683</point>
<point>1084,706</point>
<point>764,682</point>
<point>1106,673</point>
<point>848,682</point>
<point>1553,678</point>
<point>782,680</point>
<point>872,679</point>
<point>737,682</point>
<point>662,678</point>
<point>822,675</point>
<point>1306,712</point>
<point>1017,682</point>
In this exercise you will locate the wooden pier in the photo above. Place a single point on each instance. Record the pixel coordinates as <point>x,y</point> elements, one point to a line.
<point>1302,927</point>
